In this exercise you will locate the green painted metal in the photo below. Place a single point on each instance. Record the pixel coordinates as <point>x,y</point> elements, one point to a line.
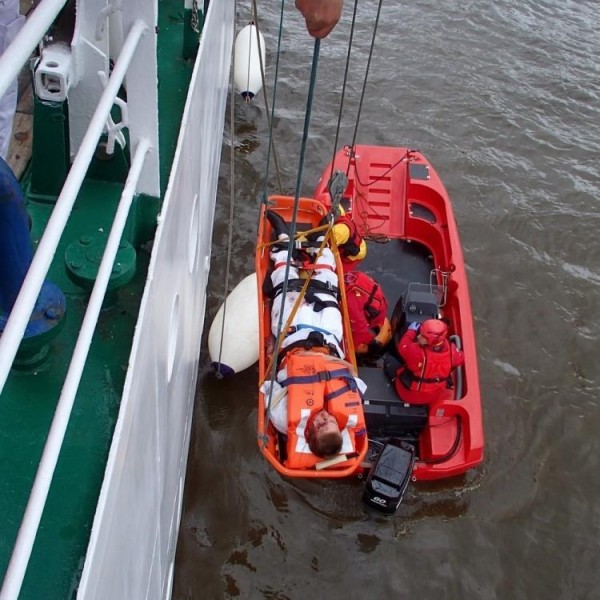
<point>110,167</point>
<point>34,349</point>
<point>29,399</point>
<point>193,23</point>
<point>50,149</point>
<point>83,257</point>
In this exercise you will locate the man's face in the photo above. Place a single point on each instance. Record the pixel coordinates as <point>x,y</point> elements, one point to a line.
<point>323,422</point>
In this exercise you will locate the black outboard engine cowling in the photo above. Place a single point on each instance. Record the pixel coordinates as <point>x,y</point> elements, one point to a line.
<point>389,476</point>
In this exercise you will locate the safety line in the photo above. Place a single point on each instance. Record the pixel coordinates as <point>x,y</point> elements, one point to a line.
<point>231,206</point>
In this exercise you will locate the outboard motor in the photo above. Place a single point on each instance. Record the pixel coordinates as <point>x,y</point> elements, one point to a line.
<point>389,476</point>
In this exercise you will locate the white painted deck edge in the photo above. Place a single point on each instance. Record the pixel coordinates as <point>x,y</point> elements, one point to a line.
<point>134,535</point>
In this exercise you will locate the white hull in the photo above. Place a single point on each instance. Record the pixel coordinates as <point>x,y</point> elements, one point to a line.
<point>132,547</point>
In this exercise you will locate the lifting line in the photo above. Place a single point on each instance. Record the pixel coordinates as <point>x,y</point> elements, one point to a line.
<point>270,115</point>
<point>231,208</point>
<point>271,147</point>
<point>293,225</point>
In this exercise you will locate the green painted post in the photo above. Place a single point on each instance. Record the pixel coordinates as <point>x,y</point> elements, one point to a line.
<point>50,152</point>
<point>193,22</point>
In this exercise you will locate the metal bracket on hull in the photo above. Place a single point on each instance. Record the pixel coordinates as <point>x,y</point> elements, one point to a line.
<point>114,129</point>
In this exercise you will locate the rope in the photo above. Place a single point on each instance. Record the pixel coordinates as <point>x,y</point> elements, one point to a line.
<point>264,88</point>
<point>294,222</point>
<point>337,130</point>
<point>231,209</point>
<point>293,225</point>
<point>384,174</point>
<point>282,332</point>
<point>219,374</point>
<point>362,95</point>
<point>340,112</point>
<point>272,116</point>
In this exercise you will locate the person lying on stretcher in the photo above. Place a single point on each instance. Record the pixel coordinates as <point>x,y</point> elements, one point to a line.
<point>316,399</point>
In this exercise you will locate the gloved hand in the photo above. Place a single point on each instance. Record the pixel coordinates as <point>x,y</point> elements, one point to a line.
<point>376,349</point>
<point>414,326</point>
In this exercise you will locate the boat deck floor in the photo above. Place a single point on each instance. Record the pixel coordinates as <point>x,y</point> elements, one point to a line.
<point>394,264</point>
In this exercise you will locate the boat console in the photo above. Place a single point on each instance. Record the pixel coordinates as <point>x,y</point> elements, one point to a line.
<point>421,302</point>
<point>385,414</point>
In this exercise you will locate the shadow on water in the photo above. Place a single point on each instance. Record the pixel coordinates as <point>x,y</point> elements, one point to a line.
<point>226,398</point>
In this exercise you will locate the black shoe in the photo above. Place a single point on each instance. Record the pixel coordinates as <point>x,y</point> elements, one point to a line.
<point>318,236</point>
<point>278,224</point>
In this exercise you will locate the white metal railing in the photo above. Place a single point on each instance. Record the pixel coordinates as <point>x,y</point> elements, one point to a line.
<point>21,312</point>
<point>19,52</point>
<point>37,500</point>
<point>17,322</point>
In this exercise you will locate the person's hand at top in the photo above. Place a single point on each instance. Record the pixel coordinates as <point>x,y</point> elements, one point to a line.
<point>321,15</point>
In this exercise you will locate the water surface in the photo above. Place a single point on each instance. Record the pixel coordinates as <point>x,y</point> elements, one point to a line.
<point>504,99</point>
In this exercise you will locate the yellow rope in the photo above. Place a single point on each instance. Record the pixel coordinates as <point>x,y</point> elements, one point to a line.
<point>301,294</point>
<point>343,301</point>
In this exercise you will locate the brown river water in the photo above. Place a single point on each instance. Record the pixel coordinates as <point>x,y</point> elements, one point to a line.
<point>504,98</point>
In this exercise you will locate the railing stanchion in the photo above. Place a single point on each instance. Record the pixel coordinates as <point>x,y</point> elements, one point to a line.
<point>37,500</point>
<point>19,317</point>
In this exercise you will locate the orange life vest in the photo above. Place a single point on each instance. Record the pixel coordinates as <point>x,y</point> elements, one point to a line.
<point>317,381</point>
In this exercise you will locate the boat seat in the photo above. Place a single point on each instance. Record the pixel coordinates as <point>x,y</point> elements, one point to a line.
<point>385,414</point>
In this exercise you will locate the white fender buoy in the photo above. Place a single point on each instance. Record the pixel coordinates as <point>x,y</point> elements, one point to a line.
<point>246,75</point>
<point>240,335</point>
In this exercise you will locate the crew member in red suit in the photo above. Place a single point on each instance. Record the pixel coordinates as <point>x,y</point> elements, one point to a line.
<point>351,245</point>
<point>367,311</point>
<point>429,359</point>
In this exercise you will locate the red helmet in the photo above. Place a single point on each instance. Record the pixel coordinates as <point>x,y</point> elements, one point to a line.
<point>434,331</point>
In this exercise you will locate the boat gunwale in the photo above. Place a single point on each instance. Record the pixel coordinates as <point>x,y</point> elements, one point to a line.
<point>448,254</point>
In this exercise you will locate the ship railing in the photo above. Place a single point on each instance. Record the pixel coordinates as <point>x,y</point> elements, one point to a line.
<point>19,52</point>
<point>19,317</point>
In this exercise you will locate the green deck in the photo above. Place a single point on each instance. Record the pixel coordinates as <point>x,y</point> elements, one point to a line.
<point>28,402</point>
